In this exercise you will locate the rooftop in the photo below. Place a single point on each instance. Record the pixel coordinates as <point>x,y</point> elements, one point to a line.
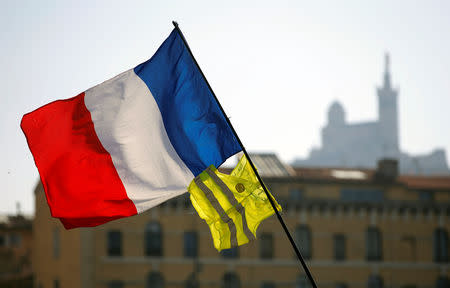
<point>9,221</point>
<point>269,165</point>
<point>369,175</point>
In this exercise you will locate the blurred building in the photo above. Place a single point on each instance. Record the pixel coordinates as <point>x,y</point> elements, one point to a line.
<point>362,144</point>
<point>356,228</point>
<point>15,251</point>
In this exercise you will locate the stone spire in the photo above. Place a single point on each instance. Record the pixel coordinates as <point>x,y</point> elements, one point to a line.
<point>387,73</point>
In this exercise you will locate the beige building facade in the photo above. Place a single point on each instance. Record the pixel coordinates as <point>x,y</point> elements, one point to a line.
<point>355,228</point>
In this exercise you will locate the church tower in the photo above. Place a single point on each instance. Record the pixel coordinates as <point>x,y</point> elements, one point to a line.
<point>388,115</point>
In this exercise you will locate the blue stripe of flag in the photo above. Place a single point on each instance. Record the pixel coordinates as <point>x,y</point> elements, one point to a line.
<point>193,120</point>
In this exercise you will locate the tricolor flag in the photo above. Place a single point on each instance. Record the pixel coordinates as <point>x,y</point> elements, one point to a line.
<point>131,142</point>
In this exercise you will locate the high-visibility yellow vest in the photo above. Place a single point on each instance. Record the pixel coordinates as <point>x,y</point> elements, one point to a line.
<point>232,205</point>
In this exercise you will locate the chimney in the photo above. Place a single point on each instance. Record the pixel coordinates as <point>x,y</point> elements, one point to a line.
<point>18,210</point>
<point>387,170</point>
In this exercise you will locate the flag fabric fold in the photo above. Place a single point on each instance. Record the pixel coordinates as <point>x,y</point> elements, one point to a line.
<point>129,143</point>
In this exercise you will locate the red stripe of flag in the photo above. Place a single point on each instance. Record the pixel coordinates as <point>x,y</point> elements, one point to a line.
<point>73,162</point>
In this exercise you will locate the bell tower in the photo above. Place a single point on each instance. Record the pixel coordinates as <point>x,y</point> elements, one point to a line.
<point>388,114</point>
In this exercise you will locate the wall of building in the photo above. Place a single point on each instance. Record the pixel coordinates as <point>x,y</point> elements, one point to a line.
<point>52,266</point>
<point>406,239</point>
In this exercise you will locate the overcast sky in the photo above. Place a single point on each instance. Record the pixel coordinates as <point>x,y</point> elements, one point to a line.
<point>276,66</point>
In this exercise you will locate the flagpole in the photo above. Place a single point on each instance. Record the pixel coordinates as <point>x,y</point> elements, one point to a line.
<point>280,219</point>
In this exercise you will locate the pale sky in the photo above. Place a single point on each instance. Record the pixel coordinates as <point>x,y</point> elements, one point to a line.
<point>275,66</point>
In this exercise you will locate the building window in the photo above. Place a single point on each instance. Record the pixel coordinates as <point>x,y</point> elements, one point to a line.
<point>231,280</point>
<point>339,247</point>
<point>56,243</point>
<point>442,282</point>
<point>295,194</point>
<point>56,283</point>
<point>115,284</point>
<point>154,280</point>
<point>267,285</point>
<point>425,195</point>
<point>114,243</point>
<point>190,244</point>
<point>375,281</point>
<point>303,241</point>
<point>266,246</point>
<point>440,245</point>
<point>192,282</point>
<point>230,253</point>
<point>15,240</point>
<point>362,195</point>
<point>303,282</point>
<point>373,244</point>
<point>2,241</point>
<point>153,239</point>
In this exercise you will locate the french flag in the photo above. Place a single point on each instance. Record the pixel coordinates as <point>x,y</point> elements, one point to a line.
<point>129,143</point>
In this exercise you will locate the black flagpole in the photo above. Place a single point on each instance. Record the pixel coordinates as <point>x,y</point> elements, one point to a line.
<point>280,219</point>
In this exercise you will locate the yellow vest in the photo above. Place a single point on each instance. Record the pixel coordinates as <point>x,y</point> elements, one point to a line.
<point>232,205</point>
